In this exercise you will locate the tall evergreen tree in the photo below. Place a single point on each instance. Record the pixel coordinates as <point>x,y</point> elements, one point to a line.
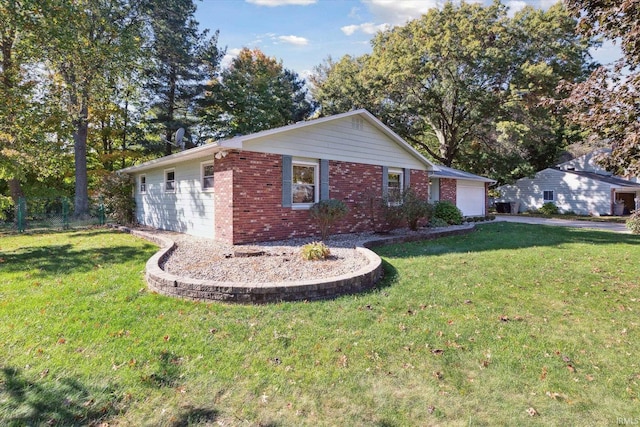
<point>181,58</point>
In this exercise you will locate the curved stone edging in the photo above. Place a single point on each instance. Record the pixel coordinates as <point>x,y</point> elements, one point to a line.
<point>207,290</point>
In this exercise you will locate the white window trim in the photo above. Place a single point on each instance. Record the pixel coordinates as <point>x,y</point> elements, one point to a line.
<point>400,173</point>
<point>142,191</point>
<point>316,182</point>
<point>202,166</point>
<point>553,196</point>
<point>166,171</point>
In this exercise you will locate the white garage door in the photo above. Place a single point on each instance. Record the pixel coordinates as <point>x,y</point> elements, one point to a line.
<point>470,198</point>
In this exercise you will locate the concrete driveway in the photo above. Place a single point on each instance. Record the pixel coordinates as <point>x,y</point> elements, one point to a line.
<point>608,226</point>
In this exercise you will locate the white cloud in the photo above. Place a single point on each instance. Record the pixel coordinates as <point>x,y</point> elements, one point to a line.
<point>515,6</point>
<point>294,40</point>
<point>229,57</point>
<point>398,12</point>
<point>367,28</point>
<point>276,3</point>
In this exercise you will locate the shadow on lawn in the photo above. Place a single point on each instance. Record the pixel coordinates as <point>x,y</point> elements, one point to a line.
<point>503,235</point>
<point>63,402</point>
<point>52,258</point>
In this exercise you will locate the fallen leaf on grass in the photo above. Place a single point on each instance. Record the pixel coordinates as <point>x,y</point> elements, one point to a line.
<point>431,409</point>
<point>532,412</point>
<point>543,375</point>
<point>555,395</point>
<point>571,369</point>
<point>437,351</point>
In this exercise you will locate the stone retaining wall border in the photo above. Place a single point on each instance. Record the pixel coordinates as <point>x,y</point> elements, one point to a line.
<point>365,278</point>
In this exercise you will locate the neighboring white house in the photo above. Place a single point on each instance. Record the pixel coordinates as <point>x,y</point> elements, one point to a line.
<point>466,190</point>
<point>579,185</point>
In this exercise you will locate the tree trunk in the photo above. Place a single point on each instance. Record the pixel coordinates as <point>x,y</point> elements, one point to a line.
<point>15,189</point>
<point>170,108</point>
<point>81,201</point>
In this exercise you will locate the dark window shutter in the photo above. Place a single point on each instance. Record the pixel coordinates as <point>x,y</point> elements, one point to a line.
<point>385,181</point>
<point>407,178</point>
<point>324,179</point>
<point>287,178</point>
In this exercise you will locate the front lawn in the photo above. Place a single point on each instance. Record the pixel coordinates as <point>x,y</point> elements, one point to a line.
<point>509,325</point>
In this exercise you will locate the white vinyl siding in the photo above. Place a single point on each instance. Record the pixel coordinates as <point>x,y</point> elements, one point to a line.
<point>572,192</point>
<point>187,209</point>
<point>340,140</point>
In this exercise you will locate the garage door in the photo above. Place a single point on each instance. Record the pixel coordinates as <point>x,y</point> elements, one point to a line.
<point>470,198</point>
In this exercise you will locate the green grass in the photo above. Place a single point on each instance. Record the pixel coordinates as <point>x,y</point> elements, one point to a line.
<point>468,330</point>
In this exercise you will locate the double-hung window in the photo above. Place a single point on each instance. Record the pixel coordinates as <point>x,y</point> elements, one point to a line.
<point>548,196</point>
<point>304,183</point>
<point>207,176</point>
<point>143,183</point>
<point>170,181</point>
<point>395,185</point>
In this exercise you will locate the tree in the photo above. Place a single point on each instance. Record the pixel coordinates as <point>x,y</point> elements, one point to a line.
<point>607,104</point>
<point>26,116</point>
<point>466,84</point>
<point>98,40</point>
<point>182,57</point>
<point>255,93</point>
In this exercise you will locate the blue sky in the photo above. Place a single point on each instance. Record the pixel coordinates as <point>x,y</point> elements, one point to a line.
<point>302,33</point>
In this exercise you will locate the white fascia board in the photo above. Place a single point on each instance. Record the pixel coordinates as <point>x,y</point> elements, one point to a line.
<point>190,154</point>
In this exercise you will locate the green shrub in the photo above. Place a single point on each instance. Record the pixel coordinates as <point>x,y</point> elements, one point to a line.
<point>315,251</point>
<point>392,215</point>
<point>549,208</point>
<point>438,222</point>
<point>633,222</point>
<point>448,212</point>
<point>116,193</point>
<point>414,208</point>
<point>326,213</point>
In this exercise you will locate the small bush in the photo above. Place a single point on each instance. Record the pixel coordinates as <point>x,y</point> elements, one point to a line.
<point>315,251</point>
<point>326,213</point>
<point>116,193</point>
<point>392,215</point>
<point>633,222</point>
<point>414,208</point>
<point>549,209</point>
<point>438,222</point>
<point>448,212</point>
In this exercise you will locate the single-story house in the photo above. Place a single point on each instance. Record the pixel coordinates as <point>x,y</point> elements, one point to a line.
<point>259,187</point>
<point>579,185</point>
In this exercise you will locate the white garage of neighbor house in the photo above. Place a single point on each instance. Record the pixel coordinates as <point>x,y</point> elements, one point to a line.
<point>579,186</point>
<point>467,191</point>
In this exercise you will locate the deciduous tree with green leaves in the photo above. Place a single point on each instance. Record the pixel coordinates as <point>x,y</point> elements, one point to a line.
<point>608,104</point>
<point>466,84</point>
<point>89,43</point>
<point>255,93</point>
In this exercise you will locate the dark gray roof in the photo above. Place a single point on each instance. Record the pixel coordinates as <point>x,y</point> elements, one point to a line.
<point>605,178</point>
<point>451,173</point>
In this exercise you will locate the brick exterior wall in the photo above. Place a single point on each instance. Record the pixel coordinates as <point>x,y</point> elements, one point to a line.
<point>448,190</point>
<point>248,197</point>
